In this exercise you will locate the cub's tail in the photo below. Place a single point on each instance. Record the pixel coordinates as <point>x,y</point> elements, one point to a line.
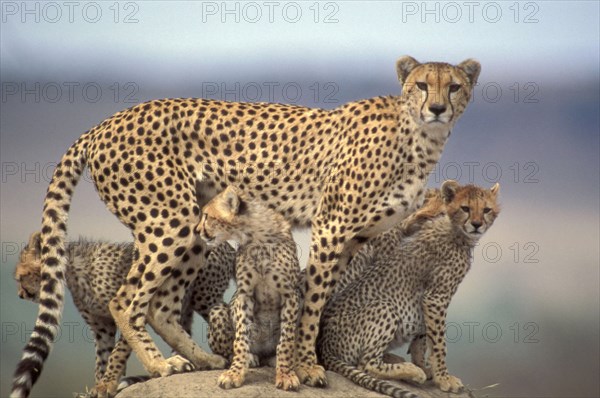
<point>367,381</point>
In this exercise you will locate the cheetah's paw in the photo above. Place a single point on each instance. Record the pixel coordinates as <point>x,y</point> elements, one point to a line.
<point>230,379</point>
<point>180,364</point>
<point>167,367</point>
<point>449,383</point>
<point>105,389</point>
<point>312,375</point>
<point>286,379</point>
<point>415,373</point>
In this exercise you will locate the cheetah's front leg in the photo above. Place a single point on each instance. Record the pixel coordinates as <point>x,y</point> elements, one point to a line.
<point>221,332</point>
<point>115,369</point>
<point>243,313</point>
<point>104,333</point>
<point>328,258</point>
<point>434,312</point>
<point>286,377</point>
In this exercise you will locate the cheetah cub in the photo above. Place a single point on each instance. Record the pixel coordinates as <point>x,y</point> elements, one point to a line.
<point>265,307</point>
<point>403,295</point>
<point>95,272</point>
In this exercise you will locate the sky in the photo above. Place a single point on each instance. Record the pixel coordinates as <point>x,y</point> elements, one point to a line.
<point>533,126</point>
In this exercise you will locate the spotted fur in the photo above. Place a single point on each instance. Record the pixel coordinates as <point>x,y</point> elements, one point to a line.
<point>264,311</point>
<point>401,294</point>
<point>349,173</point>
<point>94,273</point>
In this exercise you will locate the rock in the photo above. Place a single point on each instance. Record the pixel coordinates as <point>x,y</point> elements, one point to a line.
<point>260,384</point>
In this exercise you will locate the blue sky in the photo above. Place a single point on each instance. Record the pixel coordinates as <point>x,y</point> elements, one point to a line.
<point>533,37</point>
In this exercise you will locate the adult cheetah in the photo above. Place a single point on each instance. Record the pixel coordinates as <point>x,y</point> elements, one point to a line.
<point>349,173</point>
<point>402,296</point>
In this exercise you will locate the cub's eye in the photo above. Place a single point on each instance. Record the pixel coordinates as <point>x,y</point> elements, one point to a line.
<point>454,87</point>
<point>465,208</point>
<point>487,210</point>
<point>422,86</point>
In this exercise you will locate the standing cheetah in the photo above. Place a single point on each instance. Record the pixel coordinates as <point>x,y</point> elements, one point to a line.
<point>349,173</point>
<point>266,303</point>
<point>403,296</point>
<point>96,270</point>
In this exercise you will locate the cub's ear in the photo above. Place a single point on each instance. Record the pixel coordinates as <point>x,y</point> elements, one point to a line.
<point>35,241</point>
<point>448,189</point>
<point>472,68</point>
<point>404,66</point>
<point>495,189</point>
<point>232,199</point>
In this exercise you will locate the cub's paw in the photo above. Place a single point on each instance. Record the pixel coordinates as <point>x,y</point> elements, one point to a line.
<point>414,373</point>
<point>449,383</point>
<point>312,375</point>
<point>180,364</point>
<point>230,379</point>
<point>167,367</point>
<point>105,389</point>
<point>286,379</point>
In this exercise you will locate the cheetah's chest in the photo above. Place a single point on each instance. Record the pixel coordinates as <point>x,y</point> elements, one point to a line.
<point>265,329</point>
<point>411,199</point>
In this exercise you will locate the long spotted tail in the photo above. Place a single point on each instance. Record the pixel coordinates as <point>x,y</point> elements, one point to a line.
<point>54,259</point>
<point>367,381</point>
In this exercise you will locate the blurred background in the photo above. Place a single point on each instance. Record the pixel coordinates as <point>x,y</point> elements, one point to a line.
<point>526,318</point>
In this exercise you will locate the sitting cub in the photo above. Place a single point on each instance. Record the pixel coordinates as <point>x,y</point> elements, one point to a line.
<point>402,289</point>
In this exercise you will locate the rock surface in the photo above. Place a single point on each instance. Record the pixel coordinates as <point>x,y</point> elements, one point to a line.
<point>260,384</point>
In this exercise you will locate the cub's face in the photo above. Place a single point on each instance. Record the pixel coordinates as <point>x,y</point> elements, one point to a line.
<point>28,270</point>
<point>437,93</point>
<point>220,218</point>
<point>471,209</point>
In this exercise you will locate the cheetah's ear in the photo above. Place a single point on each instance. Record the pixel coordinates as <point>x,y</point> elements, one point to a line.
<point>448,189</point>
<point>404,66</point>
<point>35,241</point>
<point>232,199</point>
<point>472,68</point>
<point>495,189</point>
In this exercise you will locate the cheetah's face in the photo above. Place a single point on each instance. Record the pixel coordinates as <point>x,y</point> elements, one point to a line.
<point>28,270</point>
<point>221,218</point>
<point>437,93</point>
<point>471,209</point>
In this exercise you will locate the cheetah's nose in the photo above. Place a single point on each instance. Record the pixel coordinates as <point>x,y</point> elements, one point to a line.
<point>437,109</point>
<point>476,224</point>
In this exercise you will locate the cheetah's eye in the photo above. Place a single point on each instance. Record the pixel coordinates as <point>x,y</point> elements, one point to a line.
<point>454,87</point>
<point>422,86</point>
<point>487,210</point>
<point>465,208</point>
